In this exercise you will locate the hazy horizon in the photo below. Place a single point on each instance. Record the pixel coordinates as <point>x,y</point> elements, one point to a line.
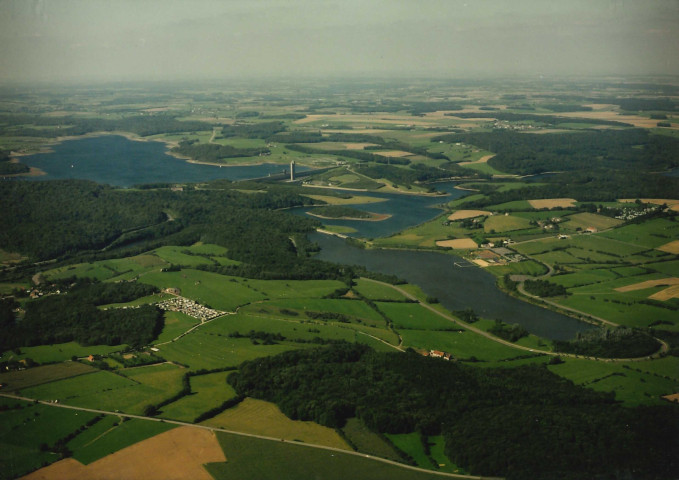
<point>75,40</point>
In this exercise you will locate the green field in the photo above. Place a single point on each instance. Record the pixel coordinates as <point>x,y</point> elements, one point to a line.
<point>629,386</point>
<point>202,350</point>
<point>505,223</point>
<point>176,323</point>
<point>411,443</point>
<point>376,291</point>
<point>367,441</point>
<point>586,220</point>
<point>116,437</point>
<point>24,429</point>
<point>207,391</point>
<point>262,318</point>
<point>285,460</point>
<point>20,379</point>
<point>353,308</point>
<point>527,267</point>
<point>462,345</point>
<point>176,256</point>
<point>59,352</point>
<point>413,316</point>
<point>211,289</point>
<point>650,234</point>
<point>129,392</point>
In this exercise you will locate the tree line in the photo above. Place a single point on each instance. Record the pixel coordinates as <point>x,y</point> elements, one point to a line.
<point>516,423</point>
<point>74,316</point>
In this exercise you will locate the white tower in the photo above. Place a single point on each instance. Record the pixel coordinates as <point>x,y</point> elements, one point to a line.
<point>292,171</point>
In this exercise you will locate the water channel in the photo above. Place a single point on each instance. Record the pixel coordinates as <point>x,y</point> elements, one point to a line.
<point>457,287</point>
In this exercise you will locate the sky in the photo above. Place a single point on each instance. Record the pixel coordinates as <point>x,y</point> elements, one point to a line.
<point>117,40</point>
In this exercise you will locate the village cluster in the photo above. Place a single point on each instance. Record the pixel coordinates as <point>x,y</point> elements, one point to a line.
<point>189,307</point>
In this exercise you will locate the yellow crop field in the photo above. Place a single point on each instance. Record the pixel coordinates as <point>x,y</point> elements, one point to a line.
<point>178,453</point>
<point>264,418</point>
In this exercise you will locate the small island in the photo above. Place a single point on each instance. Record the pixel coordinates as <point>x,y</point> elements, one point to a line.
<point>340,212</point>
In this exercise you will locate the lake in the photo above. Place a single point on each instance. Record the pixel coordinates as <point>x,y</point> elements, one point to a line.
<point>457,288</point>
<point>118,161</point>
<point>405,210</point>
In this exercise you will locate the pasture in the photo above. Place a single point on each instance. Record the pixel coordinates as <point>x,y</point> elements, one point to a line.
<point>632,387</point>
<point>275,289</point>
<point>288,461</point>
<point>587,220</point>
<point>25,427</point>
<point>649,234</point>
<point>411,443</point>
<point>262,318</point>
<point>367,441</point>
<point>59,352</point>
<point>207,288</point>
<point>505,223</point>
<point>200,350</point>
<point>177,256</point>
<point>17,380</point>
<point>264,418</point>
<point>376,291</point>
<point>462,345</point>
<point>621,309</point>
<point>176,323</point>
<point>207,391</point>
<point>413,316</point>
<point>129,392</point>
<point>527,267</point>
<point>352,308</point>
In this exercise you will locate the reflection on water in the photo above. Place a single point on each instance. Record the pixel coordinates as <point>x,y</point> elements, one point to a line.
<point>116,160</point>
<point>457,288</point>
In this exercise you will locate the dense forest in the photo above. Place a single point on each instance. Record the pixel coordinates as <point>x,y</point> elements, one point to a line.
<point>58,126</point>
<point>416,174</point>
<point>610,343</point>
<point>528,154</point>
<point>340,211</point>
<point>517,423</point>
<point>92,222</point>
<point>10,168</point>
<point>543,288</point>
<point>590,185</point>
<point>547,120</point>
<point>208,152</point>
<point>74,316</point>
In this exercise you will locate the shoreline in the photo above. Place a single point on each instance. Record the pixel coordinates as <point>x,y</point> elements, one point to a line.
<point>47,148</point>
<point>377,217</point>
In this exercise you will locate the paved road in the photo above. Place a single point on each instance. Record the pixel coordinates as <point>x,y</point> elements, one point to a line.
<point>663,348</point>
<point>261,437</point>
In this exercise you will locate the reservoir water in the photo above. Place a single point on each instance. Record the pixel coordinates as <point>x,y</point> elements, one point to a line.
<point>115,160</point>
<point>405,210</point>
<point>118,161</point>
<point>457,288</point>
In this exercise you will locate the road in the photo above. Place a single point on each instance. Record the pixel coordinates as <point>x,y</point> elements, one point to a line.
<point>663,349</point>
<point>242,434</point>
